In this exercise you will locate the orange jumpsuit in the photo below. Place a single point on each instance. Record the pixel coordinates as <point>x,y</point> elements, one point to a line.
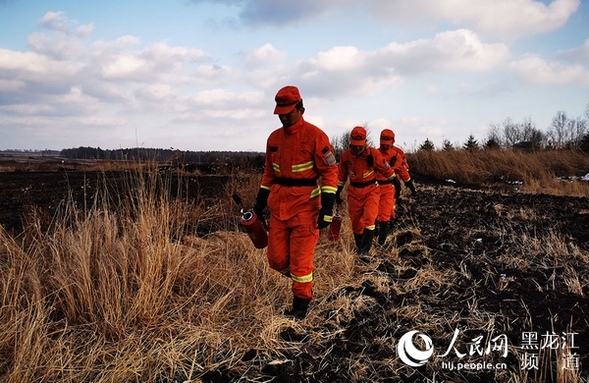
<point>386,201</point>
<point>363,192</point>
<point>296,158</point>
<point>398,161</point>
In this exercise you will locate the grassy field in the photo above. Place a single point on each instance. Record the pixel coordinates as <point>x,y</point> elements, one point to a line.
<point>547,171</point>
<point>134,295</point>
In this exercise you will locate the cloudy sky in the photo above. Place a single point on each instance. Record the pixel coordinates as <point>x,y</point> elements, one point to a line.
<point>202,74</point>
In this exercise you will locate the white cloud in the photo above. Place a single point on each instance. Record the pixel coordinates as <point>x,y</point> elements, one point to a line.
<point>126,42</point>
<point>348,70</point>
<point>507,19</point>
<point>452,50</point>
<point>59,22</point>
<point>221,102</point>
<point>213,73</point>
<point>60,47</point>
<point>21,61</point>
<point>340,59</point>
<point>126,66</point>
<point>163,52</point>
<point>265,55</point>
<point>68,78</point>
<point>535,70</point>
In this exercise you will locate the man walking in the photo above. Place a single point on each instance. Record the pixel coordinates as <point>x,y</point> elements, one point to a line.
<point>298,186</point>
<point>390,191</point>
<point>361,163</point>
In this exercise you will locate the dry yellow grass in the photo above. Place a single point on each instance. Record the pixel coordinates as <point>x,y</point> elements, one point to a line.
<point>112,297</point>
<point>127,296</point>
<point>538,172</point>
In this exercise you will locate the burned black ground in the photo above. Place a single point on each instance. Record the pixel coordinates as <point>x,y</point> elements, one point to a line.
<point>505,255</point>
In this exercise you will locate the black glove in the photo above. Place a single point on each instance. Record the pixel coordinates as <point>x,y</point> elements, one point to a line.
<point>338,197</point>
<point>326,212</point>
<point>397,184</point>
<point>261,200</point>
<point>411,186</point>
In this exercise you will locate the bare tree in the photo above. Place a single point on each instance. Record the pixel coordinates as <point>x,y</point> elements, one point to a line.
<point>577,129</point>
<point>531,134</point>
<point>558,130</point>
<point>341,143</point>
<point>494,135</point>
<point>512,132</point>
<point>566,132</point>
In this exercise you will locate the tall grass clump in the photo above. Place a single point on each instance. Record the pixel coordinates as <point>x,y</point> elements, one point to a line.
<point>544,171</point>
<point>123,293</point>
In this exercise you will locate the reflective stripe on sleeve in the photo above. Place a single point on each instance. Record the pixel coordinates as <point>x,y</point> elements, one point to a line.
<point>315,192</point>
<point>329,189</point>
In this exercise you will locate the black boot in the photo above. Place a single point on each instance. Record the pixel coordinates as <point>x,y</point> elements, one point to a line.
<point>358,240</point>
<point>383,231</point>
<point>299,308</point>
<point>367,237</point>
<point>392,224</point>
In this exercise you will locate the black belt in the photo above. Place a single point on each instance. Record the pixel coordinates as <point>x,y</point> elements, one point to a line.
<point>362,184</point>
<point>295,182</point>
<point>385,182</point>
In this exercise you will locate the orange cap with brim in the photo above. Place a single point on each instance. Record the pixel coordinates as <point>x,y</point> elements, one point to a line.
<point>387,137</point>
<point>358,136</point>
<point>286,99</point>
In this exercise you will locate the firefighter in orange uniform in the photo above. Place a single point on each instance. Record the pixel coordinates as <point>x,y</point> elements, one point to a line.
<point>390,191</point>
<point>298,186</point>
<point>361,164</point>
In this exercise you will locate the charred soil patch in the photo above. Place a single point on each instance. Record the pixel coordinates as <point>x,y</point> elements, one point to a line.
<point>46,193</point>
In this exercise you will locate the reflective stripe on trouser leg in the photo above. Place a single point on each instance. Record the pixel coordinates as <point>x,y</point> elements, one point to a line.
<point>363,207</point>
<point>293,242</point>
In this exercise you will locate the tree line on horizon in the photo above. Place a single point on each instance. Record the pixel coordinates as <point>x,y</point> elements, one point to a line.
<point>563,133</point>
<point>203,161</point>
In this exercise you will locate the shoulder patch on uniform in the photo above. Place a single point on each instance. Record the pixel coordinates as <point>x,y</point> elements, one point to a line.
<point>329,157</point>
<point>325,150</point>
<point>273,148</point>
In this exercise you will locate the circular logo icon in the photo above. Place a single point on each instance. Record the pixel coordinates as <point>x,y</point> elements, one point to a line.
<point>411,355</point>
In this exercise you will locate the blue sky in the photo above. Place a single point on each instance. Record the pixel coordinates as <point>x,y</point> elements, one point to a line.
<point>202,74</point>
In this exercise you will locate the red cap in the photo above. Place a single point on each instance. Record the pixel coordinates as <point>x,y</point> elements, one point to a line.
<point>358,136</point>
<point>286,99</point>
<point>387,137</point>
